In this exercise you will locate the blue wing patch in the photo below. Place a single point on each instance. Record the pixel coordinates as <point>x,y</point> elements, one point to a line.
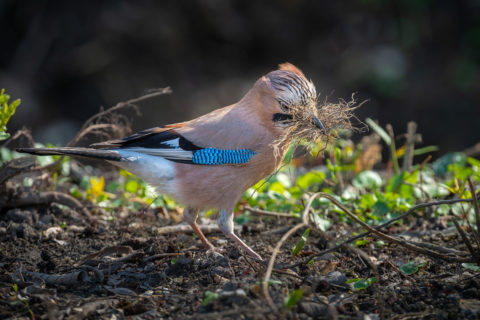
<point>213,156</point>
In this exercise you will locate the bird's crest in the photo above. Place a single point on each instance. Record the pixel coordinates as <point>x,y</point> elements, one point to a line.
<point>297,97</point>
<point>291,87</point>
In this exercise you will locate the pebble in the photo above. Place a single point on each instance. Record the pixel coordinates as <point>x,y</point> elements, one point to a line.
<point>317,310</point>
<point>470,306</point>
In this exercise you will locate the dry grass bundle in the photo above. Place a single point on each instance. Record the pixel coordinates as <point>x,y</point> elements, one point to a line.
<point>301,127</point>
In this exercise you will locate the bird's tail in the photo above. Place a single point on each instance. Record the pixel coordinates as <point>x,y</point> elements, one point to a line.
<point>111,155</point>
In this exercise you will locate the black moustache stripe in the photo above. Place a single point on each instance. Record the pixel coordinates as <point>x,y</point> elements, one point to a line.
<point>281,117</point>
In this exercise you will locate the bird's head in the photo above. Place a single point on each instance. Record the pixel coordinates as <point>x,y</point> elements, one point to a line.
<point>291,108</point>
<point>296,99</point>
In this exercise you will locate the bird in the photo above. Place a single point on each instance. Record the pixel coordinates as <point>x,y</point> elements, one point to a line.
<point>210,161</point>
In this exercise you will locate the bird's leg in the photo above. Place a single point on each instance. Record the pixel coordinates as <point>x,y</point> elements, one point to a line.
<point>190,215</point>
<point>225,222</point>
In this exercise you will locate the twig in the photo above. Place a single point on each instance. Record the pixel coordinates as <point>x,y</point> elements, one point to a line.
<point>276,250</point>
<point>475,206</point>
<point>49,197</point>
<point>383,225</point>
<point>268,213</point>
<point>438,248</point>
<point>162,255</point>
<point>472,151</point>
<point>15,167</point>
<point>88,127</point>
<point>465,238</point>
<point>108,251</point>
<point>389,238</point>
<point>409,146</point>
<point>68,279</point>
<point>128,103</point>
<point>393,149</point>
<point>22,132</point>
<point>184,228</point>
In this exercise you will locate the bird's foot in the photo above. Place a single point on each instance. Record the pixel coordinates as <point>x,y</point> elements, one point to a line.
<point>216,251</point>
<point>245,247</point>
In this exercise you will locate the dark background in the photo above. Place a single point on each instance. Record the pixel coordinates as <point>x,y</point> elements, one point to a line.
<point>413,59</point>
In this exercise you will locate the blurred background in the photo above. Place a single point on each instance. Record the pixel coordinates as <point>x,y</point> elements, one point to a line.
<point>412,59</point>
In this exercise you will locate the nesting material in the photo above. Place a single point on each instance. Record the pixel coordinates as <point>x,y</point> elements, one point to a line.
<point>301,127</point>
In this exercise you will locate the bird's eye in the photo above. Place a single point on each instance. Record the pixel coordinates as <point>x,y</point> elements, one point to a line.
<point>278,117</point>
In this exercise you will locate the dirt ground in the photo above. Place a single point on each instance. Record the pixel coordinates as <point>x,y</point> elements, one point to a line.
<point>130,266</point>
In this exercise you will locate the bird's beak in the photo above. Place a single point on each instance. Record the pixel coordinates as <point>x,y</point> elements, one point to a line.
<point>319,124</point>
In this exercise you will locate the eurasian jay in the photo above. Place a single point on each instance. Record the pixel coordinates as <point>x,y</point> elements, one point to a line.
<point>208,162</point>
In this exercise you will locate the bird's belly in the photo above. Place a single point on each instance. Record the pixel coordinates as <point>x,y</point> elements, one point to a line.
<point>156,171</point>
<point>215,187</point>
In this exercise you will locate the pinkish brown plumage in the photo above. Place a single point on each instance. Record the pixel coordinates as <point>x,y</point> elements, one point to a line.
<point>208,162</point>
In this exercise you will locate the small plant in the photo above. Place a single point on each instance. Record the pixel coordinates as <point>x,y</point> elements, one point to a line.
<point>301,243</point>
<point>471,267</point>
<point>21,300</point>
<point>412,267</point>
<point>293,298</point>
<point>6,112</point>
<point>362,284</point>
<point>209,297</point>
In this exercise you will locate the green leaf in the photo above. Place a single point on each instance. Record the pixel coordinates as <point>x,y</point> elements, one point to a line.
<point>4,135</point>
<point>379,244</point>
<point>367,180</point>
<point>412,267</point>
<point>113,186</point>
<point>301,243</point>
<point>310,179</point>
<point>338,155</point>
<point>331,169</point>
<point>352,280</point>
<point>242,219</point>
<point>321,223</point>
<point>6,110</point>
<point>367,201</point>
<point>380,209</point>
<point>277,187</point>
<point>132,186</point>
<point>395,182</point>
<point>379,130</point>
<point>361,243</point>
<point>364,284</point>
<point>427,149</point>
<point>473,162</point>
<point>209,297</point>
<point>440,166</point>
<point>284,180</point>
<point>471,266</point>
<point>292,300</point>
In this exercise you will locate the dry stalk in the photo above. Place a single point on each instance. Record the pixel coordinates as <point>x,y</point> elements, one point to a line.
<point>465,238</point>
<point>386,224</point>
<point>302,125</point>
<point>91,127</point>
<point>48,197</point>
<point>409,146</point>
<point>276,250</point>
<point>475,207</point>
<point>268,213</point>
<point>391,239</point>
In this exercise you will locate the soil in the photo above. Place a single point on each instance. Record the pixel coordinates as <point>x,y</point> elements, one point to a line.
<point>124,267</point>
